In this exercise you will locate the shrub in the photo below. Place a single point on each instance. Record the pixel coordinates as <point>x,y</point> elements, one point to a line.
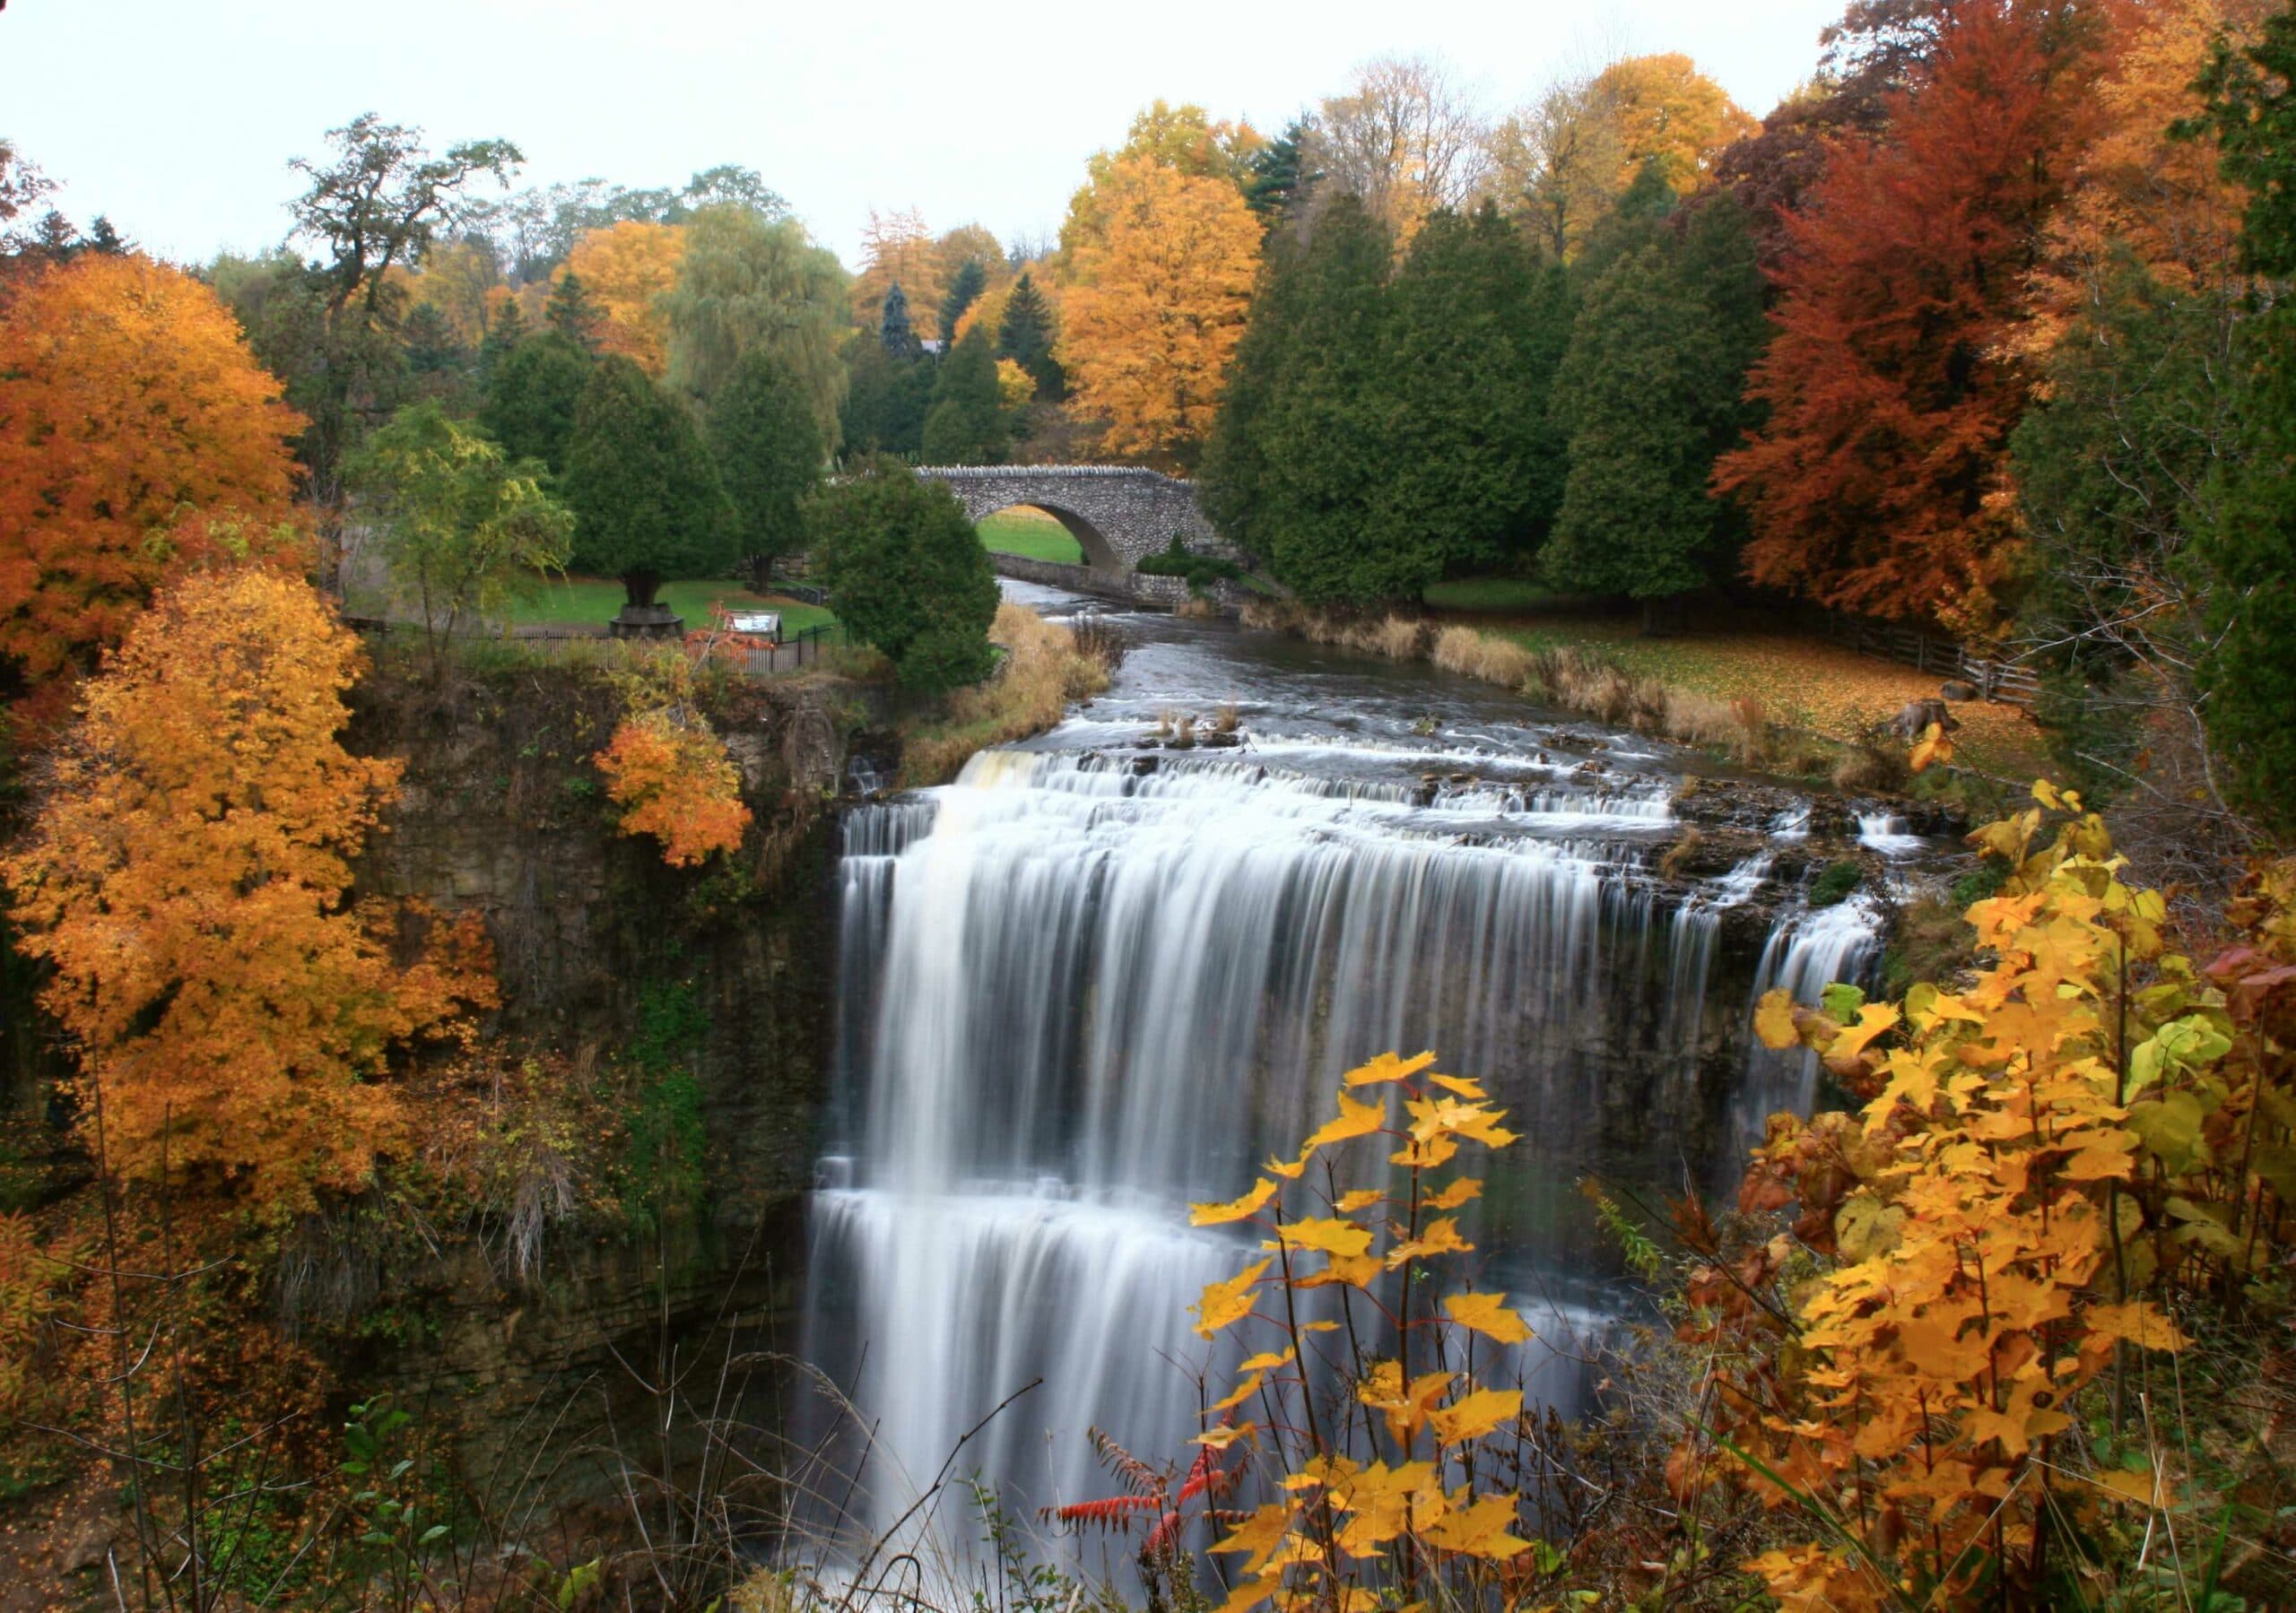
<point>1834,883</point>
<point>906,573</point>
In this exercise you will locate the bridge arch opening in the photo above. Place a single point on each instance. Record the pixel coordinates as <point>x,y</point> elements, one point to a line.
<point>1099,553</point>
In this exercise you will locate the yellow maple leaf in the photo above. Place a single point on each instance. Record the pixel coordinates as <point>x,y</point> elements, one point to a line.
<point>1242,1392</point>
<point>1473,1416</point>
<point>1234,1210</point>
<point>1425,1156</point>
<point>1362,1198</point>
<point>1354,1119</point>
<point>1388,1067</point>
<point>1774,1020</point>
<point>1326,1235</point>
<point>2140,1322</point>
<point>1227,1303</point>
<point>1457,1194</point>
<point>1479,1530</point>
<point>1464,1086</point>
<point>1438,1237</point>
<point>1489,1314</point>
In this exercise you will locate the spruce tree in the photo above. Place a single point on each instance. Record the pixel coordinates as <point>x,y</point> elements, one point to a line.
<point>647,501</point>
<point>430,346</point>
<point>965,288</point>
<point>1278,176</point>
<point>1234,482</point>
<point>571,314</point>
<point>1636,518</point>
<point>965,423</point>
<point>1471,347</point>
<point>505,327</point>
<point>531,395</point>
<point>769,451</point>
<point>906,572</point>
<point>893,327</point>
<point>1026,338</point>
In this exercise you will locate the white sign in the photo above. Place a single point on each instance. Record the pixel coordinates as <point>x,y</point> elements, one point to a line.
<point>758,624</point>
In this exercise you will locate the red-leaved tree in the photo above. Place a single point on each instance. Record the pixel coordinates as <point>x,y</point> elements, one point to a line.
<point>1876,484</point>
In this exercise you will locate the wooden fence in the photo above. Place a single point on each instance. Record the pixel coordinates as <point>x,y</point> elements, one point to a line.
<point>1995,680</point>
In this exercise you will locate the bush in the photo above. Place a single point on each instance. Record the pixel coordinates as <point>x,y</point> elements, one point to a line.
<point>1200,571</point>
<point>1834,883</point>
<point>906,573</point>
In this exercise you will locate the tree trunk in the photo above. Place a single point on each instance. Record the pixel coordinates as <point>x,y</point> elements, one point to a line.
<point>640,587</point>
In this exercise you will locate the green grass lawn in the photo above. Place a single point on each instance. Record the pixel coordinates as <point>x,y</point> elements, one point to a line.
<point>584,599</point>
<point>1031,535</point>
<point>1487,594</point>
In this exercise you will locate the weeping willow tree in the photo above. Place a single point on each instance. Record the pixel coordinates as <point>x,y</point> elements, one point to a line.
<point>745,285</point>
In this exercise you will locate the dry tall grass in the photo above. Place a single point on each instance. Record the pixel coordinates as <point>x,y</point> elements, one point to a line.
<point>1044,669</point>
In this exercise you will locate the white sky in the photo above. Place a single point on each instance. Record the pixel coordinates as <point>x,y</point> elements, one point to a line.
<point>176,117</point>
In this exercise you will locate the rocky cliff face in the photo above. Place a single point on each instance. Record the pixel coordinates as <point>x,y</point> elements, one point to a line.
<point>502,812</point>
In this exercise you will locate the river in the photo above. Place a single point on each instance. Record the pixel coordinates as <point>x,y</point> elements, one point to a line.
<point>1092,982</point>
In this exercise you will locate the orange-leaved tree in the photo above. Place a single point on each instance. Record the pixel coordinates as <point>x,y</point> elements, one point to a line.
<point>1367,1426</point>
<point>2089,1133</point>
<point>187,877</point>
<point>666,767</point>
<point>1156,306</point>
<point>1877,483</point>
<point>128,400</point>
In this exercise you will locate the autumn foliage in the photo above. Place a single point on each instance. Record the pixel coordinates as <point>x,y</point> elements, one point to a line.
<point>673,781</point>
<point>1156,306</point>
<point>2093,1130</point>
<point>187,877</point>
<point>128,400</point>
<point>1877,482</point>
<point>625,269</point>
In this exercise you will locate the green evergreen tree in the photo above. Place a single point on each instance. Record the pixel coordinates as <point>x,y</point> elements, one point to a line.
<point>894,328</point>
<point>768,452</point>
<point>885,399</point>
<point>1235,481</point>
<point>431,349</point>
<point>1636,518</point>
<point>532,396</point>
<point>647,501</point>
<point>965,288</point>
<point>1026,338</point>
<point>906,572</point>
<point>2248,673</point>
<point>965,423</point>
<point>1278,176</point>
<point>504,332</point>
<point>1325,447</point>
<point>1474,333</point>
<point>571,314</point>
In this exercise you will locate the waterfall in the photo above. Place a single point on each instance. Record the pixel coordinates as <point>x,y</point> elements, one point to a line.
<point>1808,950</point>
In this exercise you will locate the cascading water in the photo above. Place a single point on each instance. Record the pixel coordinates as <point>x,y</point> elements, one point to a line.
<point>1083,986</point>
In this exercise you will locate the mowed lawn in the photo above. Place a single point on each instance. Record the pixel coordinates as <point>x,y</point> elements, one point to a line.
<point>586,601</point>
<point>1031,535</point>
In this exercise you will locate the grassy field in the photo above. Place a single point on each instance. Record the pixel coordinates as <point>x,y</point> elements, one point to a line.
<point>1031,535</point>
<point>585,600</point>
<point>1802,682</point>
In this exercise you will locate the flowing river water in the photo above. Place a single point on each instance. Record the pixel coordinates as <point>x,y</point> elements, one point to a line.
<point>1090,982</point>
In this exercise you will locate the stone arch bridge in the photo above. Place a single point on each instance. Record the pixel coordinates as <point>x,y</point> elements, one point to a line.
<point>1119,513</point>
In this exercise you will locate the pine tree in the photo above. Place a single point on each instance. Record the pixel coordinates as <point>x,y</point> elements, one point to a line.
<point>1026,338</point>
<point>885,399</point>
<point>1636,518</point>
<point>966,424</point>
<point>647,501</point>
<point>769,453</point>
<point>505,327</point>
<point>1278,176</point>
<point>572,314</point>
<point>430,346</point>
<point>532,396</point>
<point>965,288</point>
<point>1235,482</point>
<point>893,328</point>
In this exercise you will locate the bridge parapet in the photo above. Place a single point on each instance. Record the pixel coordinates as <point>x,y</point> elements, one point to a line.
<point>1119,513</point>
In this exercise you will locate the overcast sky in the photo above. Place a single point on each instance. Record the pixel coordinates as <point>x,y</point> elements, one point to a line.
<point>176,117</point>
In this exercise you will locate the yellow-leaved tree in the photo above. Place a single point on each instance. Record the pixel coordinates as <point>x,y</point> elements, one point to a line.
<point>667,767</point>
<point>187,877</point>
<point>625,268</point>
<point>1156,306</point>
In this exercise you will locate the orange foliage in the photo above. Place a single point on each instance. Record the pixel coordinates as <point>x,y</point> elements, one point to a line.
<point>625,268</point>
<point>676,782</point>
<point>186,878</point>
<point>1877,482</point>
<point>127,400</point>
<point>1158,305</point>
<point>898,250</point>
<point>1667,109</point>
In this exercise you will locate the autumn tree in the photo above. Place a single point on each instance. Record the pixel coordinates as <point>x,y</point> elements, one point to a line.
<point>1555,163</point>
<point>906,572</point>
<point>128,400</point>
<point>966,284</point>
<point>1406,139</point>
<point>1667,111</point>
<point>965,424</point>
<point>744,285</point>
<point>897,249</point>
<point>187,879</point>
<point>467,529</point>
<point>1877,482</point>
<point>627,267</point>
<point>1184,138</point>
<point>1158,307</point>
<point>1025,335</point>
<point>647,501</point>
<point>531,394</point>
<point>769,455</point>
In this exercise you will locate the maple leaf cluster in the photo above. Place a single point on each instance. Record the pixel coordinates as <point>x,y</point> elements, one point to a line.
<point>676,782</point>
